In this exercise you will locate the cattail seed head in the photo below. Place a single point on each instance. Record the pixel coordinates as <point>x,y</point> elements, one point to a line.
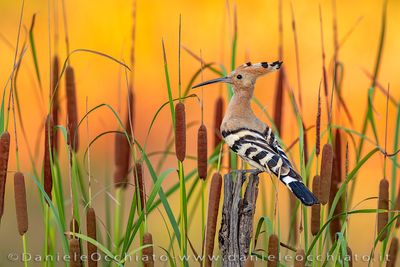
<point>148,252</point>
<point>4,153</point>
<point>392,256</point>
<point>139,184</point>
<point>316,209</point>
<point>91,232</point>
<point>74,226</point>
<point>383,203</point>
<point>122,158</point>
<point>249,262</point>
<point>75,253</point>
<point>20,203</point>
<point>350,256</point>
<point>180,131</point>
<point>212,216</point>
<point>72,109</point>
<point>218,117</point>
<point>335,226</point>
<point>279,101</point>
<point>300,258</point>
<point>130,116</point>
<point>202,152</point>
<point>326,173</point>
<point>54,97</point>
<point>337,161</point>
<point>48,144</point>
<point>273,250</point>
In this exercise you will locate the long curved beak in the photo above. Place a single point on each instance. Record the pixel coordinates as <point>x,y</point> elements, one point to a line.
<point>218,80</point>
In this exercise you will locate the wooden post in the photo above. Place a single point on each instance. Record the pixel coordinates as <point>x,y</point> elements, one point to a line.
<point>237,219</point>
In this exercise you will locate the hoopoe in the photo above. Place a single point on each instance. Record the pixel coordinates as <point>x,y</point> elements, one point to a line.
<point>252,139</point>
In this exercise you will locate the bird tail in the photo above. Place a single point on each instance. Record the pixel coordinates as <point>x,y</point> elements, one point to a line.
<point>294,182</point>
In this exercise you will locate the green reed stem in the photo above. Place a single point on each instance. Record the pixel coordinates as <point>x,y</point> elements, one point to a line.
<point>25,249</point>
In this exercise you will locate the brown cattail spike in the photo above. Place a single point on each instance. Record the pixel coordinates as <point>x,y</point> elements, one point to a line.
<point>337,161</point>
<point>212,216</point>
<point>202,152</point>
<point>300,258</point>
<point>219,115</point>
<point>394,247</point>
<point>129,124</point>
<point>180,131</point>
<point>148,252</point>
<point>316,209</point>
<point>122,156</point>
<point>326,173</point>
<point>54,97</point>
<point>75,253</point>
<point>273,250</point>
<point>4,152</point>
<point>139,184</point>
<point>91,232</point>
<point>48,141</point>
<point>20,203</point>
<point>249,262</point>
<point>72,109</point>
<point>383,204</point>
<point>349,256</point>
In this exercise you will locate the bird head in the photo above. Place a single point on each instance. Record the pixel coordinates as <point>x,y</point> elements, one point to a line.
<point>244,77</point>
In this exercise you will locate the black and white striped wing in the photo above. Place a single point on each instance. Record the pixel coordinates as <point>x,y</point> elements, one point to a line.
<point>262,151</point>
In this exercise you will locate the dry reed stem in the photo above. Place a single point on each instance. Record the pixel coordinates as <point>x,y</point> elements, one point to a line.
<point>316,209</point>
<point>72,109</point>
<point>75,253</point>
<point>91,232</point>
<point>392,255</point>
<point>273,250</point>
<point>4,154</point>
<point>300,258</point>
<point>383,203</point>
<point>20,203</point>
<point>218,116</point>
<point>318,126</point>
<point>48,144</point>
<point>202,152</point>
<point>148,252</point>
<point>326,173</point>
<point>180,131</point>
<point>54,96</point>
<point>139,184</point>
<point>212,216</point>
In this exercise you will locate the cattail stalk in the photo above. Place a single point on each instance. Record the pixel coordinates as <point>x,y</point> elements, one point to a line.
<point>148,252</point>
<point>316,209</point>
<point>326,173</point>
<point>279,101</point>
<point>91,232</point>
<point>139,185</point>
<point>75,253</point>
<point>4,154</point>
<point>20,203</point>
<point>74,226</point>
<point>218,117</point>
<point>54,97</point>
<point>392,256</point>
<point>273,250</point>
<point>48,144</point>
<point>180,131</point>
<point>212,216</point>
<point>72,109</point>
<point>383,204</point>
<point>318,125</point>
<point>300,258</point>
<point>202,152</point>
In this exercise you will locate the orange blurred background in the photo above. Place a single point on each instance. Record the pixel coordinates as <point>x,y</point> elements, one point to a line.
<point>105,26</point>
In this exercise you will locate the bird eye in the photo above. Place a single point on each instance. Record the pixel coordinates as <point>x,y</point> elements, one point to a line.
<point>239,77</point>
